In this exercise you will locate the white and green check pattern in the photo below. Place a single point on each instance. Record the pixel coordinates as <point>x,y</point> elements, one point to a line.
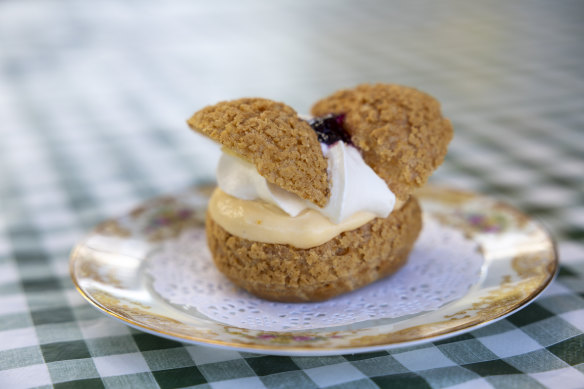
<point>93,102</point>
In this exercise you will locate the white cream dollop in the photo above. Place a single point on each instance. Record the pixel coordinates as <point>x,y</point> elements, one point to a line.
<point>353,184</point>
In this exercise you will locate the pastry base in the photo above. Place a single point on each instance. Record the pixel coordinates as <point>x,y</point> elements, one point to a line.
<point>347,262</point>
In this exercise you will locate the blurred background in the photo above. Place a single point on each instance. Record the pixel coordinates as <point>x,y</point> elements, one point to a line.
<point>94,96</point>
<point>93,102</point>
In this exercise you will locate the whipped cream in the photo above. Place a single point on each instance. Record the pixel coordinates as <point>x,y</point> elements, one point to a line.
<point>241,179</point>
<point>354,186</point>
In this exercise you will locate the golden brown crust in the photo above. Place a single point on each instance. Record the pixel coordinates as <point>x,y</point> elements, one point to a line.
<point>283,147</point>
<point>349,261</point>
<point>399,130</point>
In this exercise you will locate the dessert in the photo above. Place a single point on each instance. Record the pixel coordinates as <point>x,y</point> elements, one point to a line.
<point>307,210</point>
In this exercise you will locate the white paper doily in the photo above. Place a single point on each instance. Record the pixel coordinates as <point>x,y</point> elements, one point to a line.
<point>442,267</point>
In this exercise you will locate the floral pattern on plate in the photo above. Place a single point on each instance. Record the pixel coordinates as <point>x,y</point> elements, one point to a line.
<point>108,269</point>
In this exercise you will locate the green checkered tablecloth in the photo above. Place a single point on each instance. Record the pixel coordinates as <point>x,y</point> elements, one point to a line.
<point>93,99</point>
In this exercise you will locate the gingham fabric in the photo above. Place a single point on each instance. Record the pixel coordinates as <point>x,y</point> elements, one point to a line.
<point>93,102</point>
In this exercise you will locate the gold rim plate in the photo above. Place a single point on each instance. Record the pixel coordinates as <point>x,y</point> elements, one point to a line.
<point>108,267</point>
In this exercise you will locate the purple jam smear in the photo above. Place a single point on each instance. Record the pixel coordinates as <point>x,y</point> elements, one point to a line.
<point>330,130</point>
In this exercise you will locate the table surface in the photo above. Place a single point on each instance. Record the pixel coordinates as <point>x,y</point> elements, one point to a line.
<point>93,102</point>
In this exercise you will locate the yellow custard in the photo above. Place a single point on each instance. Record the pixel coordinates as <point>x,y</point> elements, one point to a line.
<point>263,222</point>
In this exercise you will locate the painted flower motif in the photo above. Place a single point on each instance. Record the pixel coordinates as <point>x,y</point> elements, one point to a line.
<point>266,336</point>
<point>475,221</point>
<point>166,217</point>
<point>284,338</point>
<point>486,222</point>
<point>167,220</point>
<point>287,338</point>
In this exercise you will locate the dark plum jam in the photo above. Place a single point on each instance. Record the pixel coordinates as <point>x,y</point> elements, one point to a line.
<point>330,129</point>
